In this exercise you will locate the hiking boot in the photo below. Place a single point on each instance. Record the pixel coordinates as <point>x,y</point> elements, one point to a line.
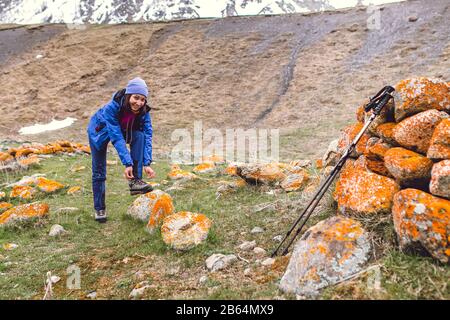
<point>137,186</point>
<point>100,216</point>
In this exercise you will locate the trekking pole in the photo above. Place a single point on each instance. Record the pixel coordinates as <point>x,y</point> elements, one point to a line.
<point>376,104</point>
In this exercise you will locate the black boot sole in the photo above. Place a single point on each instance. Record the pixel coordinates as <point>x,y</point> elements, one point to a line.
<point>133,193</point>
<point>101,220</point>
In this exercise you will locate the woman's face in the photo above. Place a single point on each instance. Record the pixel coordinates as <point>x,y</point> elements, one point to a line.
<point>137,101</point>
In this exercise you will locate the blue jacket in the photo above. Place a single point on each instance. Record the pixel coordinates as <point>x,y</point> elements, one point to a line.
<point>105,126</point>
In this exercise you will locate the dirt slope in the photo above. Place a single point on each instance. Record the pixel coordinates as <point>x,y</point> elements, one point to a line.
<point>302,73</point>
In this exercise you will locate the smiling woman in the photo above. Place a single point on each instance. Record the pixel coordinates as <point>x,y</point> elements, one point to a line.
<point>124,120</point>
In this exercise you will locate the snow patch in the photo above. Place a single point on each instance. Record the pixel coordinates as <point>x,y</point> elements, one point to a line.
<point>54,125</point>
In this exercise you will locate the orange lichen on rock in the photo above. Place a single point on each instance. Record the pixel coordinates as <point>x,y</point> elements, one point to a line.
<point>204,167</point>
<point>371,165</point>
<point>330,251</point>
<point>386,132</point>
<point>422,222</point>
<point>416,131</point>
<point>5,157</point>
<point>29,161</point>
<point>213,158</point>
<point>23,152</point>
<point>406,165</point>
<point>152,208</point>
<point>419,94</point>
<point>177,173</point>
<point>377,150</point>
<point>2,195</point>
<point>348,135</point>
<point>361,192</point>
<point>74,190</point>
<point>23,192</point>
<point>5,206</point>
<point>184,230</point>
<point>47,185</point>
<point>440,179</point>
<point>23,212</point>
<point>231,169</point>
<point>440,141</point>
<point>360,114</point>
<point>295,181</point>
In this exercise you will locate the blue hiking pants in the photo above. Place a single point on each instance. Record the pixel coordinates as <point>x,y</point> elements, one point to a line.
<point>98,154</point>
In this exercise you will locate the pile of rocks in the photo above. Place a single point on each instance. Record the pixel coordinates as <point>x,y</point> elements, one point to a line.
<point>400,167</point>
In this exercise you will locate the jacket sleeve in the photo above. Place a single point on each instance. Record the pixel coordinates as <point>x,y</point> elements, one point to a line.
<point>148,131</point>
<point>111,113</point>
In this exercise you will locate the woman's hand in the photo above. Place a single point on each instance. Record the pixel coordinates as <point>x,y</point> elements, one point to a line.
<point>149,172</point>
<point>128,173</point>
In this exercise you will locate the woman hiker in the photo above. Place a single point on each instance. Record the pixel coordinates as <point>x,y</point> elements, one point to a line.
<point>125,119</point>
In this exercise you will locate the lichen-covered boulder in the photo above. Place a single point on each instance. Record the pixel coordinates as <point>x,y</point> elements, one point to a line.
<point>348,135</point>
<point>24,212</point>
<point>23,192</point>
<point>331,156</point>
<point>270,173</point>
<point>295,181</point>
<point>377,150</point>
<point>5,157</point>
<point>440,141</point>
<point>229,186</point>
<point>327,253</point>
<point>364,193</point>
<point>415,132</point>
<point>419,94</point>
<point>440,179</point>
<point>386,132</point>
<point>407,166</point>
<point>185,230</point>
<point>204,167</point>
<point>29,161</point>
<point>47,185</point>
<point>176,173</point>
<point>213,158</point>
<point>231,169</point>
<point>152,208</point>
<point>386,115</point>
<point>422,222</point>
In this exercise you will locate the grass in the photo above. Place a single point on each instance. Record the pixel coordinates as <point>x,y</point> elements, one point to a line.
<point>109,255</point>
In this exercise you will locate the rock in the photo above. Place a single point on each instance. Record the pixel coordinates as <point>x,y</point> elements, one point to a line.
<point>277,238</point>
<point>412,18</point>
<point>177,174</point>
<point>440,141</point>
<point>10,246</point>
<point>2,195</point>
<point>66,210</point>
<point>419,94</point>
<point>378,150</point>
<point>386,132</point>
<point>220,261</point>
<point>364,193</point>
<point>231,169</point>
<point>229,187</point>
<point>139,290</point>
<point>203,280</point>
<point>23,192</point>
<point>295,181</point>
<point>407,166</point>
<point>92,295</point>
<point>386,115</point>
<point>353,28</point>
<point>247,271</point>
<point>329,252</point>
<point>152,208</point>
<point>111,162</point>
<point>205,167</point>
<point>300,163</point>
<point>440,179</point>
<point>259,251</point>
<point>422,222</point>
<point>26,162</point>
<point>331,156</point>
<point>5,206</point>
<point>370,165</point>
<point>268,262</point>
<point>56,230</point>
<point>74,190</point>
<point>257,230</point>
<point>348,135</point>
<point>47,185</point>
<point>415,132</point>
<point>185,230</point>
<point>247,245</point>
<point>214,159</point>
<point>24,212</point>
<point>139,276</point>
<point>261,173</point>
<point>53,279</point>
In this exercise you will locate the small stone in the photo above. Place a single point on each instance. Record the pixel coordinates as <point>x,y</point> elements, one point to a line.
<point>136,293</point>
<point>278,238</point>
<point>10,246</point>
<point>248,245</point>
<point>54,279</point>
<point>92,295</point>
<point>247,272</point>
<point>268,262</point>
<point>56,230</point>
<point>67,210</point>
<point>259,251</point>
<point>139,276</point>
<point>413,18</point>
<point>219,261</point>
<point>203,280</point>
<point>257,230</point>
